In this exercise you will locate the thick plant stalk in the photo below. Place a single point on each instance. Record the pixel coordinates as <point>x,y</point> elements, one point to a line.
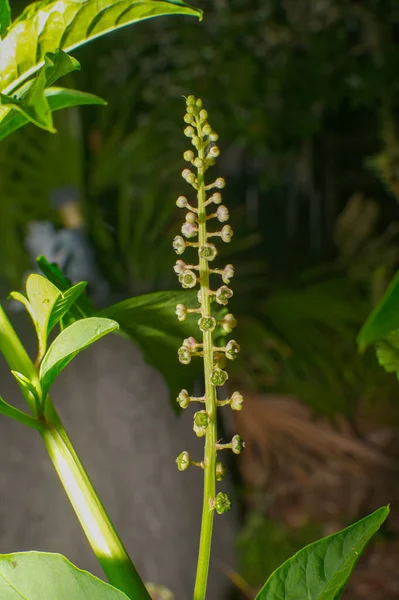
<point>92,516</point>
<point>214,357</point>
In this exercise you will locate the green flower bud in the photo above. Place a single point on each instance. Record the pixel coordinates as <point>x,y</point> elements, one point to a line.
<point>188,279</point>
<point>208,251</point>
<point>188,155</point>
<point>220,471</point>
<point>181,202</point>
<point>226,234</point>
<point>198,103</point>
<point>218,377</point>
<point>222,213</point>
<point>207,129</point>
<point>188,176</point>
<point>179,244</point>
<point>236,401</point>
<point>216,198</point>
<point>213,136</point>
<point>192,110</point>
<point>232,349</point>
<point>196,141</point>
<point>183,399</point>
<point>203,115</point>
<point>228,323</point>
<point>237,444</point>
<point>222,503</point>
<point>188,119</point>
<point>220,183</point>
<point>181,312</point>
<point>201,422</point>
<point>207,323</point>
<point>190,100</point>
<point>189,131</point>
<point>223,295</point>
<point>183,461</point>
<point>191,217</point>
<point>228,273</point>
<point>184,355</point>
<point>198,163</point>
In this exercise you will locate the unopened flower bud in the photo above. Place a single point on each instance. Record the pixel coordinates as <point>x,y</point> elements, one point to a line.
<point>190,343</point>
<point>188,119</point>
<point>222,503</point>
<point>196,141</point>
<point>222,213</point>
<point>208,251</point>
<point>190,100</point>
<point>188,279</point>
<point>207,129</point>
<point>218,377</point>
<point>203,115</point>
<point>181,312</point>
<point>188,176</point>
<point>198,163</point>
<point>237,444</point>
<point>179,244</point>
<point>213,152</point>
<point>192,110</point>
<point>236,401</point>
<point>188,155</point>
<point>216,198</point>
<point>228,273</point>
<point>220,471</point>
<point>184,355</point>
<point>181,202</point>
<point>189,230</point>
<point>183,399</point>
<point>226,234</point>
<point>201,422</point>
<point>191,217</point>
<point>223,295</point>
<point>214,136</point>
<point>228,323</point>
<point>220,183</point>
<point>198,103</point>
<point>183,461</point>
<point>207,323</point>
<point>179,266</point>
<point>189,130</point>
<point>232,349</point>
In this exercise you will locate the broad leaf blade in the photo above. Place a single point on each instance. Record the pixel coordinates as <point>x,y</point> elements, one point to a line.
<point>46,26</point>
<point>57,98</point>
<point>42,296</point>
<point>5,16</point>
<point>42,576</point>
<point>64,303</point>
<point>69,343</point>
<point>321,570</point>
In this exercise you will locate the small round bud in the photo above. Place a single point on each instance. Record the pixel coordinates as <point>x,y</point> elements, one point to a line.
<point>192,110</point>
<point>188,279</point>
<point>198,103</point>
<point>179,266</point>
<point>196,141</point>
<point>213,152</point>
<point>184,355</point>
<point>222,213</point>
<point>237,444</point>
<point>183,461</point>
<point>189,131</point>
<point>222,503</point>
<point>203,115</point>
<point>213,136</point>
<point>220,183</point>
<point>188,176</point>
<point>188,118</point>
<point>232,350</point>
<point>190,100</point>
<point>207,251</point>
<point>226,234</point>
<point>207,129</point>
<point>181,202</point>
<point>189,230</point>
<point>181,312</point>
<point>207,323</point>
<point>188,155</point>
<point>216,198</point>
<point>236,401</point>
<point>179,244</point>
<point>201,422</point>
<point>190,343</point>
<point>191,217</point>
<point>228,273</point>
<point>218,377</point>
<point>220,471</point>
<point>198,163</point>
<point>191,179</point>
<point>228,323</point>
<point>183,399</point>
<point>223,295</point>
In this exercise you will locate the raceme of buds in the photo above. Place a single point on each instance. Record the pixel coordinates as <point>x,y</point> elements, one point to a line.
<point>198,273</point>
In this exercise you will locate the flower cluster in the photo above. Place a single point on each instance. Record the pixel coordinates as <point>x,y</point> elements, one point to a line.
<point>207,209</point>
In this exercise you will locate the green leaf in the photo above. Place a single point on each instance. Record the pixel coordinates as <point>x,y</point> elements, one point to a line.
<point>5,16</point>
<point>69,343</point>
<point>57,98</point>
<point>46,25</point>
<point>31,100</point>
<point>42,296</point>
<point>64,303</point>
<point>384,318</point>
<point>45,576</point>
<point>321,570</point>
<point>20,416</point>
<point>27,385</point>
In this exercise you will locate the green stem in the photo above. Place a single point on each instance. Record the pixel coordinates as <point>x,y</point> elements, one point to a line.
<point>95,522</point>
<point>211,406</point>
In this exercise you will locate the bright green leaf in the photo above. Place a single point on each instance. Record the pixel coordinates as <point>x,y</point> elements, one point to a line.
<point>42,296</point>
<point>64,303</point>
<point>5,16</point>
<point>384,319</point>
<point>45,26</point>
<point>21,417</point>
<point>321,570</point>
<point>45,576</point>
<point>69,343</point>
<point>27,385</point>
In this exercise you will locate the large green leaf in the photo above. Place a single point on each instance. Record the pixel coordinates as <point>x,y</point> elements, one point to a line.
<point>45,576</point>
<point>384,319</point>
<point>64,303</point>
<point>57,98</point>
<point>5,16</point>
<point>69,343</point>
<point>321,570</point>
<point>48,25</point>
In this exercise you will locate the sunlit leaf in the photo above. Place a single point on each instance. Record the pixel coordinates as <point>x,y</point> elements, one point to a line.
<point>64,303</point>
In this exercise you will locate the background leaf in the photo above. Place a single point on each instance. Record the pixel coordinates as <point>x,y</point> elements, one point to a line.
<point>42,576</point>
<point>320,571</point>
<point>5,15</point>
